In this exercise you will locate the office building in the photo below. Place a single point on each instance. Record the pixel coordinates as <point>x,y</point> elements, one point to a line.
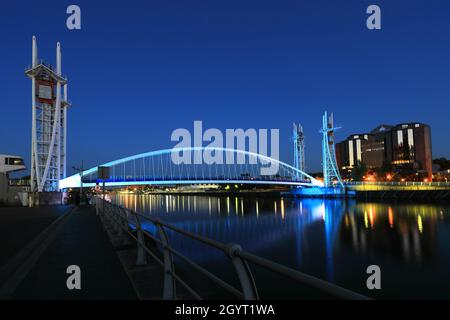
<point>406,147</point>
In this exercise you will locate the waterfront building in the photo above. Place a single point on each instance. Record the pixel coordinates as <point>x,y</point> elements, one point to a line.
<point>9,164</point>
<point>405,147</point>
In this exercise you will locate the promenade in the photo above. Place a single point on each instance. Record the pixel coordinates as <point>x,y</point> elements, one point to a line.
<point>111,267</point>
<point>19,225</point>
<point>38,244</point>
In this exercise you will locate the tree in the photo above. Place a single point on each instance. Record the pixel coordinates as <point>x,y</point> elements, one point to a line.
<point>385,169</point>
<point>444,163</point>
<point>358,171</point>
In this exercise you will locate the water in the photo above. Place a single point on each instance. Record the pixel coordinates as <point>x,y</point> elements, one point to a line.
<point>335,240</point>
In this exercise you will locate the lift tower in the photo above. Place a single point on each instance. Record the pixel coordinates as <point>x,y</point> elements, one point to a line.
<point>331,176</point>
<point>299,149</point>
<point>49,122</point>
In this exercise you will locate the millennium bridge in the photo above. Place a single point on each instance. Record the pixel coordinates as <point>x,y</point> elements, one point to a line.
<point>193,166</point>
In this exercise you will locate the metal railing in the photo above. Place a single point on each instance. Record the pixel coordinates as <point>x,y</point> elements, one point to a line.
<point>47,65</point>
<point>397,183</point>
<point>126,221</point>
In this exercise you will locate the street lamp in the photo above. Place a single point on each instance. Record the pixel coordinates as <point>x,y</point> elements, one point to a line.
<point>80,171</point>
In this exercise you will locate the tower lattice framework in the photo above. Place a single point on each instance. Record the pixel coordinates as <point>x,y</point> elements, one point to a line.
<point>49,122</point>
<point>331,175</point>
<point>299,149</point>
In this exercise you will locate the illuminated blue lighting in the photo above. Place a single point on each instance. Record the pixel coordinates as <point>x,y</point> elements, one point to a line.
<point>74,181</point>
<point>175,182</point>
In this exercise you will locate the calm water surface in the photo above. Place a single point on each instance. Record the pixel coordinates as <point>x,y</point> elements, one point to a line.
<point>332,239</point>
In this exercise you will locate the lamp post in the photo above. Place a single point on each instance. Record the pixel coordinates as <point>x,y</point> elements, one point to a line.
<point>80,171</point>
<point>103,174</point>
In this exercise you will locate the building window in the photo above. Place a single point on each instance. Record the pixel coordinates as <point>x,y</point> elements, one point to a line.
<point>410,138</point>
<point>14,161</point>
<point>350,153</point>
<point>358,150</point>
<point>400,137</point>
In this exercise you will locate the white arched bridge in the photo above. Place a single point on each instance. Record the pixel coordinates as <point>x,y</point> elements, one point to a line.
<point>195,165</point>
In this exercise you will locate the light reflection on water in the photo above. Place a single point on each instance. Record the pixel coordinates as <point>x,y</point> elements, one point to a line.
<point>332,239</point>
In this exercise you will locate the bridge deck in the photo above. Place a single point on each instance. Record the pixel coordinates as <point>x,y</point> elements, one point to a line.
<point>78,240</point>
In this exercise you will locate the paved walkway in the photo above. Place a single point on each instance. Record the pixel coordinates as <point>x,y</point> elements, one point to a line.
<point>79,240</point>
<point>19,225</point>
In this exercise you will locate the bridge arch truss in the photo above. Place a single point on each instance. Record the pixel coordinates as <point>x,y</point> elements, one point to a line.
<point>200,166</point>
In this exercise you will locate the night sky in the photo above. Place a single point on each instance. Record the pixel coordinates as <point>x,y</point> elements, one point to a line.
<point>140,69</point>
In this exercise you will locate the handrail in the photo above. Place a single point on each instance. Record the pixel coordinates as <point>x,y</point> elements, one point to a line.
<point>398,183</point>
<point>200,269</point>
<point>120,218</point>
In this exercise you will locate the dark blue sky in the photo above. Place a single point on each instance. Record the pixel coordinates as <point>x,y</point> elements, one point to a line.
<point>140,69</point>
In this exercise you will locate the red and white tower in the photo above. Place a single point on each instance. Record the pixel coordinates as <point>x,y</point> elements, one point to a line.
<point>49,122</point>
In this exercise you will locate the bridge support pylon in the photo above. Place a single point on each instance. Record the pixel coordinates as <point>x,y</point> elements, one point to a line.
<point>331,175</point>
<point>299,149</point>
